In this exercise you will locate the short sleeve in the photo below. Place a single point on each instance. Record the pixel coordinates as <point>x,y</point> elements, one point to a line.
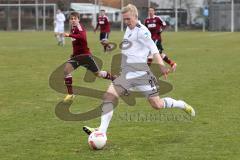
<point>144,36</point>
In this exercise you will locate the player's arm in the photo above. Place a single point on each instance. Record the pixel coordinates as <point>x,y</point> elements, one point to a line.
<point>164,70</point>
<point>107,21</point>
<point>163,24</point>
<point>145,38</point>
<point>75,36</point>
<point>63,18</point>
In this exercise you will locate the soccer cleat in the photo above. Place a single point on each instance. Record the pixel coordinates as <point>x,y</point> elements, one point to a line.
<point>174,66</point>
<point>89,130</point>
<point>189,110</point>
<point>69,98</point>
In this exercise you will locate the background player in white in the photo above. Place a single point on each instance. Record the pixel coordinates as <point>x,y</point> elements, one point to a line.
<point>59,27</point>
<point>135,71</point>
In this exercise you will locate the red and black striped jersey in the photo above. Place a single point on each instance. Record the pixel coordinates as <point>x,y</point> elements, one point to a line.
<point>79,40</point>
<point>104,24</point>
<point>155,25</point>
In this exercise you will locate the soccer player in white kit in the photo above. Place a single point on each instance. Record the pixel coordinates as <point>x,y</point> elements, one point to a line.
<point>136,47</point>
<point>59,27</point>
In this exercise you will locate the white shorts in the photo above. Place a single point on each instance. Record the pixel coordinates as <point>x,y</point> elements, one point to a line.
<point>146,84</point>
<point>59,29</point>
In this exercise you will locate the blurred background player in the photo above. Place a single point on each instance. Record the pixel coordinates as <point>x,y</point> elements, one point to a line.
<point>59,27</point>
<point>104,24</point>
<point>81,55</point>
<point>135,71</point>
<point>156,25</point>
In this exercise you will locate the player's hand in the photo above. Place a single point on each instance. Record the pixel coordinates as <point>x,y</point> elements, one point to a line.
<point>160,31</point>
<point>66,34</point>
<point>164,70</point>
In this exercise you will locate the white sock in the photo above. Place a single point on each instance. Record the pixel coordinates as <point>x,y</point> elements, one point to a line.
<point>172,103</point>
<point>62,40</point>
<point>107,113</point>
<point>58,38</point>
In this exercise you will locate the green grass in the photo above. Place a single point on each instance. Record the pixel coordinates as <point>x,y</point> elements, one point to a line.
<point>207,77</point>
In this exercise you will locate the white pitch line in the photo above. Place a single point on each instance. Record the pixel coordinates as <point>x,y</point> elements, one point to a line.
<point>219,34</point>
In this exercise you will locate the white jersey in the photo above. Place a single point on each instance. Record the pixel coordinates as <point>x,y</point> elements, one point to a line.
<point>59,21</point>
<point>137,45</point>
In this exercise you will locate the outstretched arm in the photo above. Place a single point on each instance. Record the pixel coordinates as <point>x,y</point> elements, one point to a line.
<point>164,70</point>
<point>145,38</point>
<point>76,36</point>
<point>162,24</point>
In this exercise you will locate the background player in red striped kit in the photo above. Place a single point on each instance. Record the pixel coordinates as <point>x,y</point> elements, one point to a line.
<point>81,55</point>
<point>156,25</point>
<point>104,24</point>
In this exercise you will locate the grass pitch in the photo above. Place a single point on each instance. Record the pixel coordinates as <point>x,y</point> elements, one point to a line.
<point>207,77</point>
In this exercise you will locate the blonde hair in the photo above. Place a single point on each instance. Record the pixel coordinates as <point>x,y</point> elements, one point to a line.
<point>130,8</point>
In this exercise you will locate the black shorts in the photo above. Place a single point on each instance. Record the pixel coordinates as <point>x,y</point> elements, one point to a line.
<point>159,46</point>
<point>104,36</point>
<point>86,61</point>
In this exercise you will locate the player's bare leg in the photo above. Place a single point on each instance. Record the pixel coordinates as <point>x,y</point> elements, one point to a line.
<point>62,39</point>
<point>109,100</point>
<point>57,36</point>
<point>105,45</point>
<point>167,102</point>
<point>68,69</point>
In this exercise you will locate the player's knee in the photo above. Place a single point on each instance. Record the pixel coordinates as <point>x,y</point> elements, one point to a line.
<point>67,69</point>
<point>157,104</point>
<point>66,72</point>
<point>109,97</point>
<point>107,107</point>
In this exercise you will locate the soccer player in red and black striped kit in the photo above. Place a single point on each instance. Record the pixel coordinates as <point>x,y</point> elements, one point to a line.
<point>104,24</point>
<point>81,55</point>
<point>156,25</point>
